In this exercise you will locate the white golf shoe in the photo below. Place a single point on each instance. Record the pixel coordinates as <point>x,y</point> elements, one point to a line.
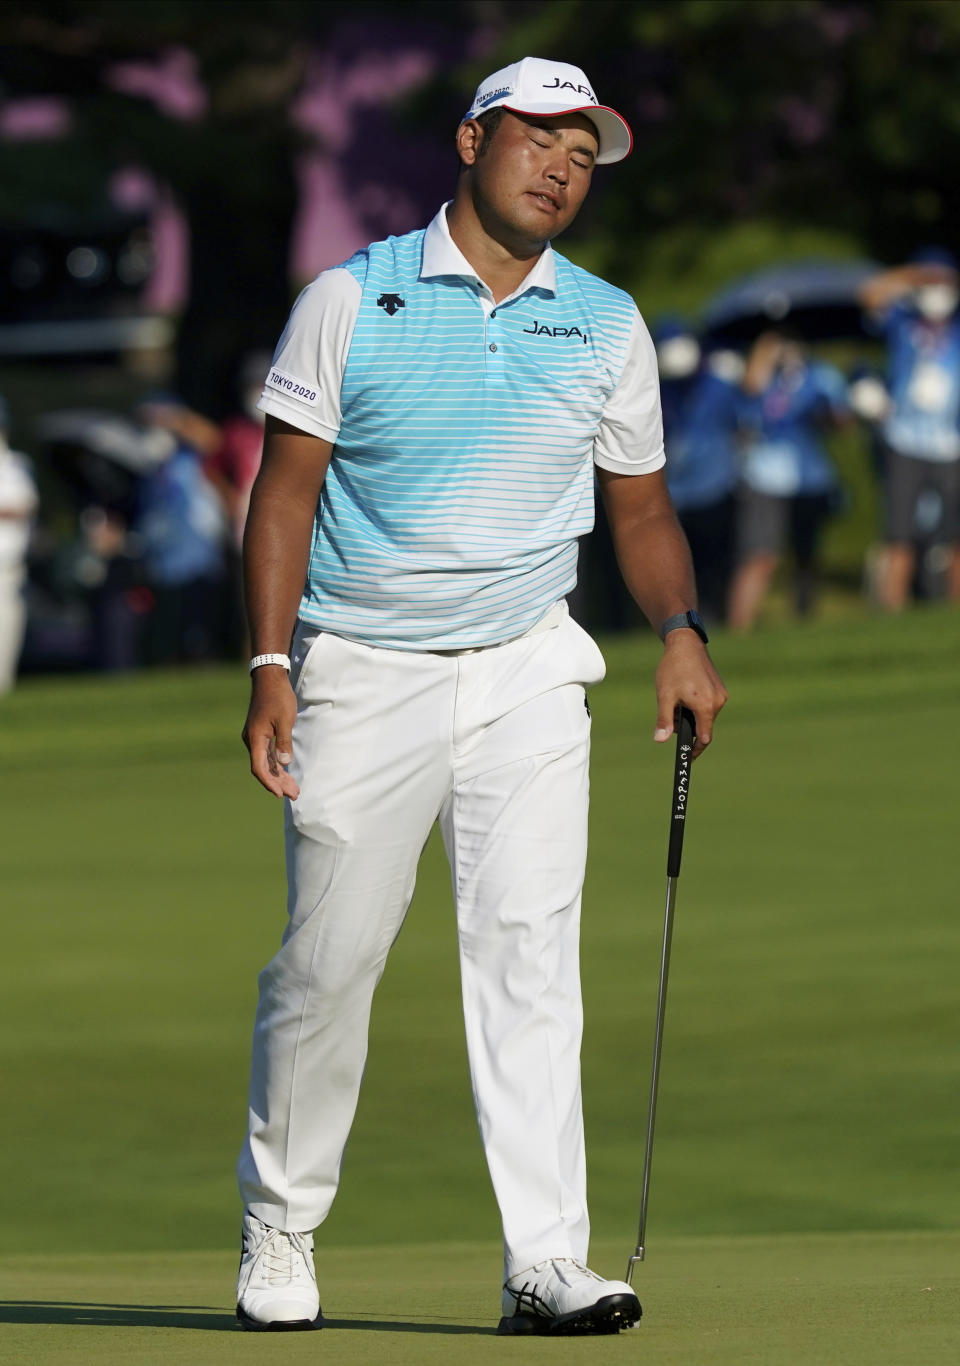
<point>277,1286</point>
<point>564,1297</point>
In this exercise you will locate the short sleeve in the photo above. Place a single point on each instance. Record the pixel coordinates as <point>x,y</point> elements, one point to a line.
<point>630,437</point>
<point>304,381</point>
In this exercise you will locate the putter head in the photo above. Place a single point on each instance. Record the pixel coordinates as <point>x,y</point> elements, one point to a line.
<point>637,1257</point>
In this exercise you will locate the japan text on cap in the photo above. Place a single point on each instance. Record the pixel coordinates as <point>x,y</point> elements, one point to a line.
<point>537,86</point>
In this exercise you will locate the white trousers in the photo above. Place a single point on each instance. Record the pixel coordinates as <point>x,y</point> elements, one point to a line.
<point>494,744</point>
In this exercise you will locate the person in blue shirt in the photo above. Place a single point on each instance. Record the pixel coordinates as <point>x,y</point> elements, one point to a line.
<point>182,534</point>
<point>787,478</point>
<point>700,399</point>
<point>915,307</point>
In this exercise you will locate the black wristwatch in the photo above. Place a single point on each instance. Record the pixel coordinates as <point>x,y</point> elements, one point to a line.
<point>690,619</point>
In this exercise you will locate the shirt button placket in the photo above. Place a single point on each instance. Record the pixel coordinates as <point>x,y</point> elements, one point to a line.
<point>494,365</point>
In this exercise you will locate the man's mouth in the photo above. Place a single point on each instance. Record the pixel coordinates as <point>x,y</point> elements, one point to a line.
<point>548,201</point>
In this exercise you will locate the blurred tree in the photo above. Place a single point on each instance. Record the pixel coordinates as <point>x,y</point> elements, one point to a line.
<point>840,118</point>
<point>217,131</point>
<point>763,128</point>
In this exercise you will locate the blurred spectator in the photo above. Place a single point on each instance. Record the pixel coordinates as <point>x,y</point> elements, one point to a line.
<point>916,308</point>
<point>232,469</point>
<point>234,463</point>
<point>18,504</point>
<point>869,400</point>
<point>109,563</point>
<point>788,480</point>
<point>700,398</point>
<point>104,460</point>
<point>231,460</point>
<point>181,529</point>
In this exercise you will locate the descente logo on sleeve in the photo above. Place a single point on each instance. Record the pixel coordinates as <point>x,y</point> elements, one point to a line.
<point>289,384</point>
<point>542,330</point>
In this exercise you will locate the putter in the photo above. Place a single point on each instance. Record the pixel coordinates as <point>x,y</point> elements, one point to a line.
<point>678,815</point>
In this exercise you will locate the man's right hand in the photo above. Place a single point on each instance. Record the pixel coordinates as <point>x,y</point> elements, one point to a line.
<point>268,730</point>
<point>276,546</point>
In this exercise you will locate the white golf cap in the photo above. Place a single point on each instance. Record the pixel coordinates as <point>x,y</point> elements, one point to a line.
<point>537,86</point>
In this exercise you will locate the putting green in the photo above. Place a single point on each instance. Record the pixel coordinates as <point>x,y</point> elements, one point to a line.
<point>846,1300</point>
<point>804,1206</point>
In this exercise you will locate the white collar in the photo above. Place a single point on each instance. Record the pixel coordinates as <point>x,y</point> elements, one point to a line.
<point>442,256</point>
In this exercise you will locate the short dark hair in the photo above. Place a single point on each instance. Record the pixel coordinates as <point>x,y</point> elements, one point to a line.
<point>489,122</point>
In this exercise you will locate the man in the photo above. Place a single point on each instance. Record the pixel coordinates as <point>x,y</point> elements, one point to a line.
<point>434,411</point>
<point>916,308</point>
<point>700,396</point>
<point>788,481</point>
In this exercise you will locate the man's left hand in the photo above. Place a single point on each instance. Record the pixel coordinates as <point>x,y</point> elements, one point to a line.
<point>686,676</point>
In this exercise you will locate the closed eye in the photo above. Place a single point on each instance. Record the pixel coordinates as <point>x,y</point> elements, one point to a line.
<point>583,165</point>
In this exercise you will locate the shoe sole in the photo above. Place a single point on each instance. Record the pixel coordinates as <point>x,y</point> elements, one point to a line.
<point>278,1325</point>
<point>608,1315</point>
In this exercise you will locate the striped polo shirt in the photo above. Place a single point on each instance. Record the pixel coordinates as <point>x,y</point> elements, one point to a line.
<point>464,436</point>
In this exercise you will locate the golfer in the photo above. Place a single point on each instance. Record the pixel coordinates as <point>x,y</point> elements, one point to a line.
<point>435,412</point>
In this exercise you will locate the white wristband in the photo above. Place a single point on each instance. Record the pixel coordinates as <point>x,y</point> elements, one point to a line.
<point>282,660</point>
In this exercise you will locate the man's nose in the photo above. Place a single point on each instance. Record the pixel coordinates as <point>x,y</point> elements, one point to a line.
<point>558,171</point>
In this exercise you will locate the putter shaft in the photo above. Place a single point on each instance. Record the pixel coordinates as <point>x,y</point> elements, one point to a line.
<point>655,1072</point>
<point>678,815</point>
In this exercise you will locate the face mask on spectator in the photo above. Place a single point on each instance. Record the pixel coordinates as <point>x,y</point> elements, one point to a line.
<point>726,365</point>
<point>678,357</point>
<point>936,302</point>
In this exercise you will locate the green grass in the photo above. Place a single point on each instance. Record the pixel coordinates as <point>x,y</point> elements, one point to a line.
<point>841,1299</point>
<point>805,1181</point>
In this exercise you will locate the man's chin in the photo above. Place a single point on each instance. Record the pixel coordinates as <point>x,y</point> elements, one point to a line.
<point>542,225</point>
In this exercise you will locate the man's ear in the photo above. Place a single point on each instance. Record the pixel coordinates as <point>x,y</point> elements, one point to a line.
<point>470,137</point>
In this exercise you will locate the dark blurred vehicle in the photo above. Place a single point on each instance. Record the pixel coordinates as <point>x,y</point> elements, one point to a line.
<point>72,286</point>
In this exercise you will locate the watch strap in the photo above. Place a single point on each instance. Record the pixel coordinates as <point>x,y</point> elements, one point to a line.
<point>690,621</point>
<point>258,660</point>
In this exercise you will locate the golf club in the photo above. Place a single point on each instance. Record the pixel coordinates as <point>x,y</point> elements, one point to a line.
<point>678,815</point>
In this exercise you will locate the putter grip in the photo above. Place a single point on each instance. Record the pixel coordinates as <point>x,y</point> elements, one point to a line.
<point>681,789</point>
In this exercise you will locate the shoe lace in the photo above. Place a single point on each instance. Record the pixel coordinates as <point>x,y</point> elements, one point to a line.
<point>578,1268</point>
<point>278,1257</point>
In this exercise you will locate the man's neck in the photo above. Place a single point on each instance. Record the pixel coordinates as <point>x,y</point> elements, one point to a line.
<point>501,266</point>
